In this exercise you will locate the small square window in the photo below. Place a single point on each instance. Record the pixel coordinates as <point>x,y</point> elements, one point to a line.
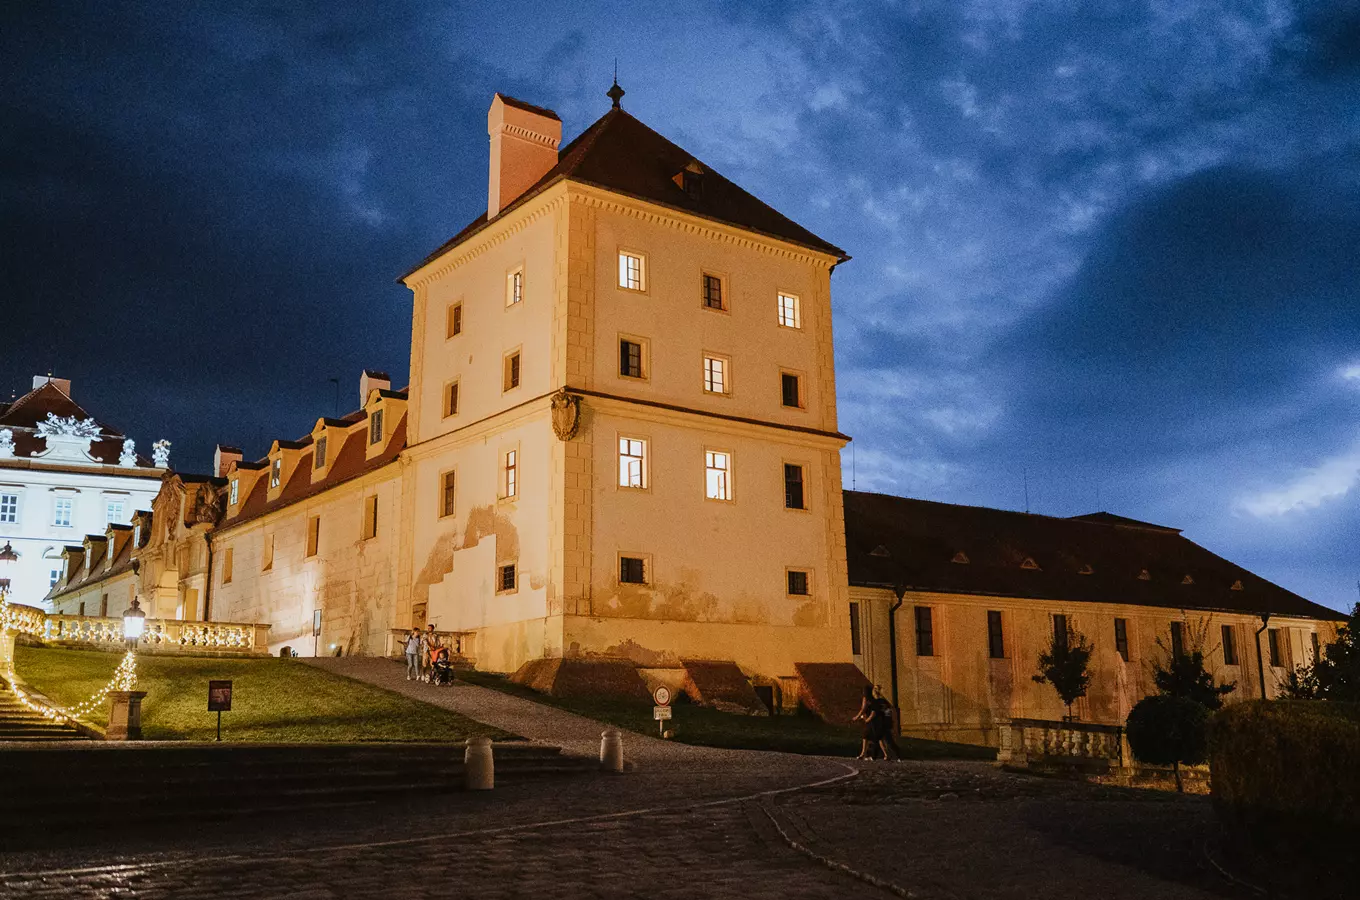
<point>716,380</point>
<point>375,427</point>
<point>632,271</point>
<point>714,295</point>
<point>451,399</point>
<point>790,316</point>
<point>514,287</point>
<point>632,463</point>
<point>632,570</point>
<point>453,324</point>
<point>511,374</point>
<point>630,358</point>
<point>506,580</point>
<point>793,487</point>
<point>798,583</point>
<point>791,390</point>
<point>717,475</point>
<point>448,483</point>
<point>319,453</point>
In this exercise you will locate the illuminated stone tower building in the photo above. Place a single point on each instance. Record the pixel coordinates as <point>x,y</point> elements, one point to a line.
<point>622,435</point>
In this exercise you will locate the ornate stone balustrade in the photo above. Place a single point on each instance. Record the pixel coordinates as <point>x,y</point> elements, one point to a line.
<point>161,635</point>
<point>23,619</point>
<point>460,643</point>
<point>1037,742</point>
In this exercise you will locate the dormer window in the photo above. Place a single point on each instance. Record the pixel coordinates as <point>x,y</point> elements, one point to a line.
<point>275,473</point>
<point>1187,580</point>
<point>692,183</point>
<point>233,492</point>
<point>319,453</point>
<point>1145,575</point>
<point>137,529</point>
<point>960,558</point>
<point>375,427</point>
<point>1086,570</point>
<point>1030,564</point>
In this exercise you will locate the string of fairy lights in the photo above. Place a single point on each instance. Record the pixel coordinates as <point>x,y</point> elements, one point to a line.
<point>124,679</point>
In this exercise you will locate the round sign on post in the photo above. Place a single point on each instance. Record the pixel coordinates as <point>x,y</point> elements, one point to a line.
<point>662,696</point>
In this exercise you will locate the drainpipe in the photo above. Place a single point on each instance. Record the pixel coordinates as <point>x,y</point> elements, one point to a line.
<point>207,583</point>
<point>900,591</point>
<point>1260,660</point>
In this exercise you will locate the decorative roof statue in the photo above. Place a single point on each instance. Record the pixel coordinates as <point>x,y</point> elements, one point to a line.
<point>129,456</point>
<point>160,454</point>
<point>6,443</point>
<point>67,426</point>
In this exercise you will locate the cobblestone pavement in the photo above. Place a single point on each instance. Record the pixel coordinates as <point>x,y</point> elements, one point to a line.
<point>931,830</point>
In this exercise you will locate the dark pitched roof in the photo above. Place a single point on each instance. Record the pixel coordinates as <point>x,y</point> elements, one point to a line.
<point>913,543</point>
<point>620,154</point>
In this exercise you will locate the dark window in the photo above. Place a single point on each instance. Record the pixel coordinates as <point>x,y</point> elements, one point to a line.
<point>713,292</point>
<point>632,570</point>
<point>507,577</point>
<point>1177,640</point>
<point>455,319</point>
<point>630,359</point>
<point>451,401</point>
<point>319,454</point>
<point>1229,646</point>
<point>793,486</point>
<point>450,485</point>
<point>1273,638</point>
<point>104,604</point>
<point>1060,630</point>
<point>82,607</point>
<point>1121,638</point>
<point>996,640</point>
<point>512,371</point>
<point>792,389</point>
<point>375,427</point>
<point>1317,648</point>
<point>854,629</point>
<point>798,583</point>
<point>925,635</point>
<point>692,183</point>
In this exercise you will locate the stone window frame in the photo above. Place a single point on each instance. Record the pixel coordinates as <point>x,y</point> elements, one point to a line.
<point>724,291</point>
<point>512,368</point>
<point>785,372</point>
<point>642,273</point>
<point>645,462</point>
<point>514,286</point>
<point>782,316</point>
<point>789,573</point>
<point>448,493</point>
<point>368,523</point>
<point>644,356</point>
<point>644,558</point>
<point>454,315</point>
<point>726,361</point>
<point>729,471</point>
<point>501,567</point>
<point>451,397</point>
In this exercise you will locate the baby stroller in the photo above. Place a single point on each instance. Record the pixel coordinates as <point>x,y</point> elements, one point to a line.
<point>441,669</point>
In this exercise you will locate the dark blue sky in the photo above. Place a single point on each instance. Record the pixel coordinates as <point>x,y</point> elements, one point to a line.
<point>1110,248</point>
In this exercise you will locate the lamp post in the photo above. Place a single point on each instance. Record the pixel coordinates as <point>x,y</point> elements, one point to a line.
<point>134,623</point>
<point>8,557</point>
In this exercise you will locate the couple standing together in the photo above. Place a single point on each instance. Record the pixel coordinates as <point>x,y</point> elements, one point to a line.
<point>420,650</point>
<point>877,715</point>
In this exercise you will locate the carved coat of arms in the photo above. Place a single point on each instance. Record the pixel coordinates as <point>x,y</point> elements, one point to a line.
<point>566,414</point>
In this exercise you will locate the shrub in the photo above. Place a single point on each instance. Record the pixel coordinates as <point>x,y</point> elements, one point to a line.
<point>1066,665</point>
<point>1286,774</point>
<point>1168,731</point>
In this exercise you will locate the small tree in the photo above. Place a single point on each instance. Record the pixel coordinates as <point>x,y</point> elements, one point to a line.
<point>1300,684</point>
<point>1338,671</point>
<point>1168,731</point>
<point>1185,675</point>
<point>1066,666</point>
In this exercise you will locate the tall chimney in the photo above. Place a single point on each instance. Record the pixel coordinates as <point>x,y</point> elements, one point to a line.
<point>368,380</point>
<point>225,459</point>
<point>524,141</point>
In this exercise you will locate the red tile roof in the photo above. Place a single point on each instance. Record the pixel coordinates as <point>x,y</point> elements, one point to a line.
<point>25,414</point>
<point>912,543</point>
<point>621,154</point>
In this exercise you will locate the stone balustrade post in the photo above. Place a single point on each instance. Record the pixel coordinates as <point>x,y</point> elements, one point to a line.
<point>611,750</point>
<point>125,716</point>
<point>479,768</point>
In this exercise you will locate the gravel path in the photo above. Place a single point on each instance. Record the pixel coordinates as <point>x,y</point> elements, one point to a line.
<point>536,721</point>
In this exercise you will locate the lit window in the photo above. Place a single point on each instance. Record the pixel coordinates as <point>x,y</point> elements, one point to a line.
<point>631,271</point>
<point>511,485</point>
<point>226,566</point>
<point>793,486</point>
<point>514,287</point>
<point>375,427</point>
<point>632,570</point>
<point>715,375</point>
<point>798,583</point>
<point>791,390</point>
<point>505,578</point>
<point>233,491</point>
<point>632,463</point>
<point>511,379</point>
<point>9,508</point>
<point>275,473</point>
<point>370,517</point>
<point>61,513</point>
<point>451,399</point>
<point>630,359</point>
<point>448,484</point>
<point>137,535</point>
<point>718,475</point>
<point>454,321</point>
<point>113,511</point>
<point>713,292</point>
<point>313,535</point>
<point>789,314</point>
<point>319,454</point>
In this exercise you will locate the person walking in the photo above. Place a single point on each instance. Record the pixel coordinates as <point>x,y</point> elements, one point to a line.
<point>871,714</point>
<point>412,647</point>
<point>887,739</point>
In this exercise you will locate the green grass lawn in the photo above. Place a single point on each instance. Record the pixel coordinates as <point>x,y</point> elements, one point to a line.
<point>272,699</point>
<point>800,733</point>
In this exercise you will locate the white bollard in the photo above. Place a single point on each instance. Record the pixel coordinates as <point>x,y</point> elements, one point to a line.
<point>479,769</point>
<point>611,750</point>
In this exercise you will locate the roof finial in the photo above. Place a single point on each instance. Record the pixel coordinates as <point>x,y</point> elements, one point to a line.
<point>615,93</point>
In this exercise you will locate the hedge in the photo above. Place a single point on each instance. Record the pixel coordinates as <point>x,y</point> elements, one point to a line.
<point>1287,771</point>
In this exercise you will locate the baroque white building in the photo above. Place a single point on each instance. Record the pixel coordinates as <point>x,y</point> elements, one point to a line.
<point>64,478</point>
